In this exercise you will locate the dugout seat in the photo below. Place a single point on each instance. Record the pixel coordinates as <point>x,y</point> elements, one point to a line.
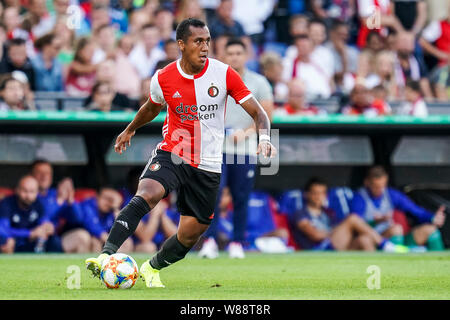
<point>5,192</point>
<point>84,193</point>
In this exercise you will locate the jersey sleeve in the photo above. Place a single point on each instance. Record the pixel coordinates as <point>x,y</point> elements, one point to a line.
<point>236,87</point>
<point>156,94</point>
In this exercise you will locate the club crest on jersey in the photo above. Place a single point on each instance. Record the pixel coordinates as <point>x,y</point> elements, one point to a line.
<point>155,166</point>
<point>213,91</point>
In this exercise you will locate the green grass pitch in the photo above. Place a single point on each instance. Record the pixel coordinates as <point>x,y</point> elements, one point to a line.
<point>301,275</point>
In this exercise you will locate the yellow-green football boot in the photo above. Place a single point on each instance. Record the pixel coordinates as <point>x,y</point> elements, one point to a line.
<point>95,264</point>
<point>150,276</point>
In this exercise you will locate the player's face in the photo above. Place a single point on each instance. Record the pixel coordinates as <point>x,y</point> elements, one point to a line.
<point>236,57</point>
<point>316,196</point>
<point>195,49</point>
<point>27,191</point>
<point>43,173</point>
<point>377,186</point>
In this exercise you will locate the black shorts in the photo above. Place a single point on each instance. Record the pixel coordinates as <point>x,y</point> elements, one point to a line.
<point>196,189</point>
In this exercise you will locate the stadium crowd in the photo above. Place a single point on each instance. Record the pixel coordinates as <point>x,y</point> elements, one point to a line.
<point>366,53</point>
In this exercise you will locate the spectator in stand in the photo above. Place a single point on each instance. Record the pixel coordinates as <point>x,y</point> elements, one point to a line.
<point>48,70</point>
<point>414,104</point>
<point>384,74</point>
<point>317,80</point>
<point>223,23</point>
<point>145,91</point>
<point>23,217</point>
<point>107,72</point>
<point>104,38</point>
<point>435,40</point>
<point>296,103</point>
<point>146,53</point>
<point>103,97</point>
<point>164,21</point>
<point>12,95</point>
<point>372,11</point>
<point>412,14</point>
<point>345,57</point>
<point>137,20</point>
<point>442,83</point>
<point>408,67</point>
<point>17,59</point>
<point>59,9</point>
<point>52,199</point>
<point>67,38</point>
<point>172,53</point>
<point>13,22</point>
<point>320,54</point>
<point>125,69</point>
<point>271,66</point>
<point>126,44</point>
<point>253,20</point>
<point>3,49</point>
<point>333,9</point>
<point>37,20</point>
<point>88,223</point>
<point>189,9</point>
<point>315,227</point>
<point>366,62</point>
<point>363,103</point>
<point>29,94</point>
<point>223,26</point>
<point>81,74</point>
<point>376,202</point>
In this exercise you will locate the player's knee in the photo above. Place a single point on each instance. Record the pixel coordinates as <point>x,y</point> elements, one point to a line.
<point>188,241</point>
<point>151,196</point>
<point>353,217</point>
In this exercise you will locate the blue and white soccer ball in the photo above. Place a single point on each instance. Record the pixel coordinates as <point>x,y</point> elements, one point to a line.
<point>119,271</point>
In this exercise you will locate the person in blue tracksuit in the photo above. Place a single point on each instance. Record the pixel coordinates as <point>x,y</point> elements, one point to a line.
<point>24,219</point>
<point>376,202</point>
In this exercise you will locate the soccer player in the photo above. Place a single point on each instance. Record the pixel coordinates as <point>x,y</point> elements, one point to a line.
<point>195,89</point>
<point>239,159</point>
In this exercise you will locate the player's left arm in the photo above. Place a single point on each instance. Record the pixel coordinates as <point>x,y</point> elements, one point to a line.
<point>262,121</point>
<point>237,89</point>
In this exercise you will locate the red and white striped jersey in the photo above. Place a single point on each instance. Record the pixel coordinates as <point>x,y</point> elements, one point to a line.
<point>196,105</point>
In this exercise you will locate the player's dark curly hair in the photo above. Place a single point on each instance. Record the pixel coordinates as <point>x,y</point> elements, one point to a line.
<point>183,29</point>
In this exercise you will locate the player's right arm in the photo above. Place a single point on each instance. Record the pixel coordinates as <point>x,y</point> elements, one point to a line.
<point>147,112</point>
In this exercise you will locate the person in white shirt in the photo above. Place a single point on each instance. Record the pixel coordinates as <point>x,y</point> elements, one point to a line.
<point>315,75</point>
<point>146,54</point>
<point>414,104</point>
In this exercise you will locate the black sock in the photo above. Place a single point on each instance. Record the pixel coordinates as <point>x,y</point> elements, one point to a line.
<point>126,223</point>
<point>171,251</point>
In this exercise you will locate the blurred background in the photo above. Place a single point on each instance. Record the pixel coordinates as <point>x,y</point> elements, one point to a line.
<point>351,84</point>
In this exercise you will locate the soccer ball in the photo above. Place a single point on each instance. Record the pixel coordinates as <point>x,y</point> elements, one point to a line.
<point>119,271</point>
